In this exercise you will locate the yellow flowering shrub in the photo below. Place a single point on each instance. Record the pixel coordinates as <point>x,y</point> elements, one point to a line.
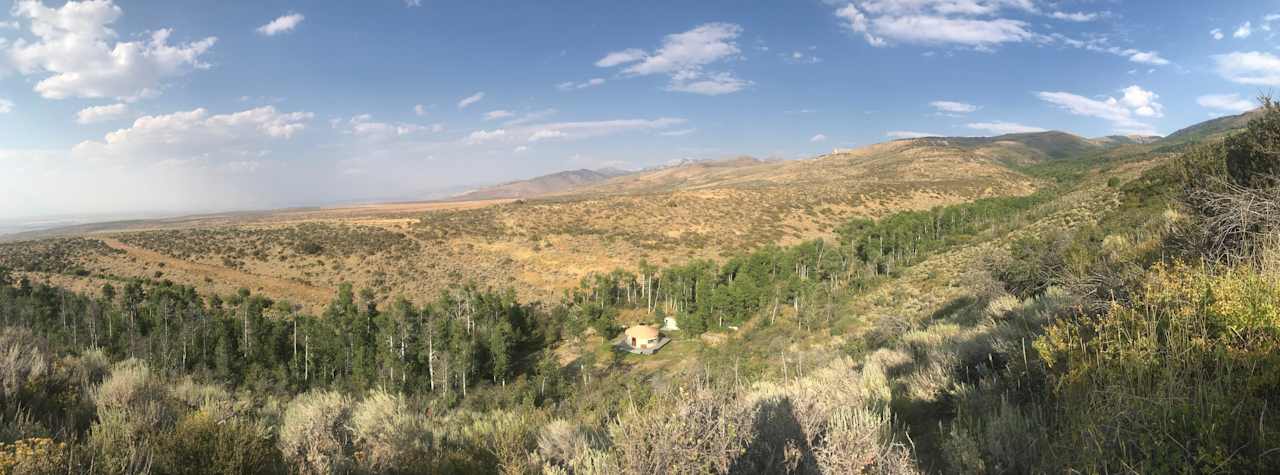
<point>33,456</point>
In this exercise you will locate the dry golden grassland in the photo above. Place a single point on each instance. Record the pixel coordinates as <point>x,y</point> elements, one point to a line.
<point>542,246</point>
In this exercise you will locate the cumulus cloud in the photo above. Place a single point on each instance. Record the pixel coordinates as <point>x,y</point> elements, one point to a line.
<point>76,52</point>
<point>420,110</point>
<point>953,107</point>
<point>498,114</point>
<point>1122,112</point>
<point>469,100</point>
<point>1243,31</point>
<point>280,25</point>
<point>570,85</point>
<point>194,134</point>
<point>818,138</point>
<point>1253,68</point>
<point>179,162</point>
<point>1216,33</point>
<point>684,57</point>
<point>6,106</point>
<point>1142,102</point>
<point>93,115</point>
<point>1226,103</point>
<point>908,134</point>
<point>1001,127</point>
<point>971,23</point>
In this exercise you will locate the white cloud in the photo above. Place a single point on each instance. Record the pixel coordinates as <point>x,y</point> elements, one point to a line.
<point>412,3</point>
<point>678,133</point>
<point>6,106</point>
<point>97,114</point>
<point>570,85</point>
<point>420,110</point>
<point>1142,102</point>
<point>625,56</point>
<point>1226,102</point>
<point>569,130</point>
<point>283,24</point>
<point>1075,16</point>
<point>547,134</point>
<point>76,48</point>
<point>1216,33</point>
<point>953,107</point>
<point>498,114</point>
<point>1100,44</point>
<point>195,134</point>
<point>1147,57</point>
<point>907,134</point>
<point>1001,127</point>
<point>469,100</point>
<point>1243,31</point>
<point>818,138</point>
<point>1120,112</point>
<point>1252,68</point>
<point>482,136</point>
<point>683,57</point>
<point>521,149</point>
<point>710,85</point>
<point>800,57</point>
<point>971,23</point>
<point>365,127</point>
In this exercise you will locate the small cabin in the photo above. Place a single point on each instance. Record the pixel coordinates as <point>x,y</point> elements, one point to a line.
<point>642,339</point>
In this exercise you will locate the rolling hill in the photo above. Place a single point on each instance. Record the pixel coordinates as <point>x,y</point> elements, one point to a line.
<point>565,226</point>
<point>559,182</point>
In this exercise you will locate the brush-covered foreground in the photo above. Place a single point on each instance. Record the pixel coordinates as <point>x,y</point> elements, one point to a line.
<point>1124,320</point>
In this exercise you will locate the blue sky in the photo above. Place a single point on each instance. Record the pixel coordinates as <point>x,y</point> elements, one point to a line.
<point>183,105</point>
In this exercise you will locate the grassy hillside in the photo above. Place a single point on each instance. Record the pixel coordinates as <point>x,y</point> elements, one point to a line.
<point>560,182</point>
<point>1121,319</point>
<point>542,246</point>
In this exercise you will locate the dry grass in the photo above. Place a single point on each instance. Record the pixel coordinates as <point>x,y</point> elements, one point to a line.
<point>538,247</point>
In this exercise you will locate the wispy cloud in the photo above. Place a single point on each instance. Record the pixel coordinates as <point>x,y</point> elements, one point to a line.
<point>469,100</point>
<point>498,114</point>
<point>684,58</point>
<point>908,134</point>
<point>571,86</point>
<point>953,107</point>
<point>1001,127</point>
<point>280,25</point>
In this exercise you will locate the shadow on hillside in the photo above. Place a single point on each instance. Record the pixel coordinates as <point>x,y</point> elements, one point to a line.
<point>777,432</point>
